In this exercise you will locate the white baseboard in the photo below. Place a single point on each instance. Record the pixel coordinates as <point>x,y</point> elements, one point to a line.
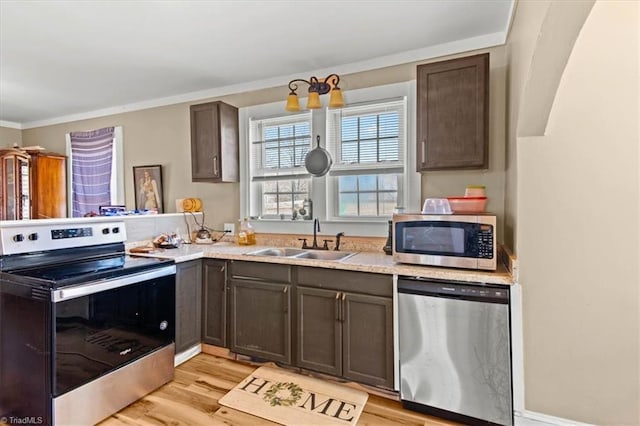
<point>187,355</point>
<point>531,418</point>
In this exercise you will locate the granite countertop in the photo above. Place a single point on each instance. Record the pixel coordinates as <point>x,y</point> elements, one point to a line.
<point>361,261</point>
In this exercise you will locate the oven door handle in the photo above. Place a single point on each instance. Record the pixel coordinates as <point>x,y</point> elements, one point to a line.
<point>99,286</point>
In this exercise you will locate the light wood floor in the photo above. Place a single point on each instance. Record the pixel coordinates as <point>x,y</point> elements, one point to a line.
<point>192,399</point>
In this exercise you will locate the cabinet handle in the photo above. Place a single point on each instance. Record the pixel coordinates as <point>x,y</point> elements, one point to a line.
<point>338,316</point>
<point>215,165</point>
<point>342,307</point>
<point>284,297</point>
<point>222,268</point>
<point>423,158</point>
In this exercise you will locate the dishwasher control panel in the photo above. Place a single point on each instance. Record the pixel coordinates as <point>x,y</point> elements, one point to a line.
<point>454,289</point>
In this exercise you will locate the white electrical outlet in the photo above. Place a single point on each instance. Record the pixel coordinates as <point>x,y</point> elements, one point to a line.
<point>230,228</point>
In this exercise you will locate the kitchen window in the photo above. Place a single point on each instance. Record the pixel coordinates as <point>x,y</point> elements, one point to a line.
<point>372,173</point>
<point>279,180</point>
<point>95,169</point>
<point>367,143</point>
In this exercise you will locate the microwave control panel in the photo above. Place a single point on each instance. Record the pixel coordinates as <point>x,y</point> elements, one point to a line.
<point>485,242</point>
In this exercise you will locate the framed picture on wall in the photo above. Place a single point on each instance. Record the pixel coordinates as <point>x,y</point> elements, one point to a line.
<point>147,181</point>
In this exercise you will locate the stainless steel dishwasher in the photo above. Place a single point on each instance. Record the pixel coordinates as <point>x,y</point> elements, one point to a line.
<point>455,350</point>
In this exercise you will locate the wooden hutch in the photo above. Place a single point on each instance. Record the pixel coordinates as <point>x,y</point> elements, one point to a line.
<point>33,184</point>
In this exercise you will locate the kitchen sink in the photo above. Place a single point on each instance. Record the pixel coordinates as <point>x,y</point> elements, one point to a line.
<point>325,255</point>
<point>278,252</point>
<point>301,253</point>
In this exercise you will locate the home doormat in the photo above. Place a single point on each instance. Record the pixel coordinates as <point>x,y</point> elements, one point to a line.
<point>291,399</point>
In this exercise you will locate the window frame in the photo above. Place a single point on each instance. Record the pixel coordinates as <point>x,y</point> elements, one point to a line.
<point>256,181</point>
<point>117,169</point>
<point>398,167</point>
<point>319,186</point>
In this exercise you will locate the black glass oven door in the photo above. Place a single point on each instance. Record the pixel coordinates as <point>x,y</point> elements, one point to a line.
<point>458,239</point>
<point>97,332</point>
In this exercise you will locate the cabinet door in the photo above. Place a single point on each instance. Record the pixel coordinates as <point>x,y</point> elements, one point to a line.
<point>260,319</point>
<point>368,339</point>
<point>188,304</point>
<point>319,330</point>
<point>205,142</point>
<point>14,186</point>
<point>214,320</point>
<point>214,143</point>
<point>49,180</point>
<point>452,114</point>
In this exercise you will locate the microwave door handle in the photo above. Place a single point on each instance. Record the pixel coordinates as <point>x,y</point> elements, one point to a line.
<point>93,287</point>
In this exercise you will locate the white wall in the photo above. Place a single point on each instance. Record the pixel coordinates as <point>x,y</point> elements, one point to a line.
<point>578,231</point>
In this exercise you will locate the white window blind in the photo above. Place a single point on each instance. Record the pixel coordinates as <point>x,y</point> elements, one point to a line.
<point>278,146</point>
<point>368,138</point>
<point>368,143</point>
<point>279,179</point>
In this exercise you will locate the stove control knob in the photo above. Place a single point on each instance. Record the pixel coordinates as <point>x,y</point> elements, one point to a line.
<point>33,237</point>
<point>116,230</point>
<point>105,231</point>
<point>18,238</point>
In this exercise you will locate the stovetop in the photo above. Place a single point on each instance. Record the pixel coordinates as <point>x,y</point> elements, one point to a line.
<point>83,271</point>
<point>51,254</point>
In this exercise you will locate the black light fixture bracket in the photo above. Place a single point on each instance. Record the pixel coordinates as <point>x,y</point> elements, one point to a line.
<point>315,85</point>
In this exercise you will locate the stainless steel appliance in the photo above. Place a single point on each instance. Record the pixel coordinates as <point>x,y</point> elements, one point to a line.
<point>455,350</point>
<point>459,241</point>
<point>84,328</point>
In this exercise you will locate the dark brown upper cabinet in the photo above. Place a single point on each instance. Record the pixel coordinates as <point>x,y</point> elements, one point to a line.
<point>453,114</point>
<point>214,143</point>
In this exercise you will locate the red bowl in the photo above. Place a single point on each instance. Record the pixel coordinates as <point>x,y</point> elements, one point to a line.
<point>467,204</point>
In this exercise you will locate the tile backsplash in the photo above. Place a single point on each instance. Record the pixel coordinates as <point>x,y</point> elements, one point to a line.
<point>347,243</point>
<point>146,228</point>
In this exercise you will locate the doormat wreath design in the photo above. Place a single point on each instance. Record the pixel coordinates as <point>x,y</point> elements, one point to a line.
<point>292,399</point>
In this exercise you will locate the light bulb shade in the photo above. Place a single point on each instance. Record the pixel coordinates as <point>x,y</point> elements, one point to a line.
<point>292,103</point>
<point>313,101</point>
<point>335,99</point>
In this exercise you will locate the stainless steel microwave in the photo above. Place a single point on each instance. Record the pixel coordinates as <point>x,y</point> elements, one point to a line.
<point>456,241</point>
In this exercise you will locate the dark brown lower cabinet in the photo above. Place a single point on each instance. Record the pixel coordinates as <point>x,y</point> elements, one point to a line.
<point>319,330</point>
<point>188,304</point>
<point>214,302</point>
<point>260,321</point>
<point>342,331</point>
<point>368,339</point>
<point>343,320</point>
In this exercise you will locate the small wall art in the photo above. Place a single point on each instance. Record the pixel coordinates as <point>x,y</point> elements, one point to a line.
<point>148,188</point>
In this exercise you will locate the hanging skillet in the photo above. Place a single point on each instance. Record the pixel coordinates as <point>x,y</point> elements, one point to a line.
<point>318,160</point>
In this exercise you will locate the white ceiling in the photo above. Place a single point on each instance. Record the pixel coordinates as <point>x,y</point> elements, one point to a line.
<point>63,60</point>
